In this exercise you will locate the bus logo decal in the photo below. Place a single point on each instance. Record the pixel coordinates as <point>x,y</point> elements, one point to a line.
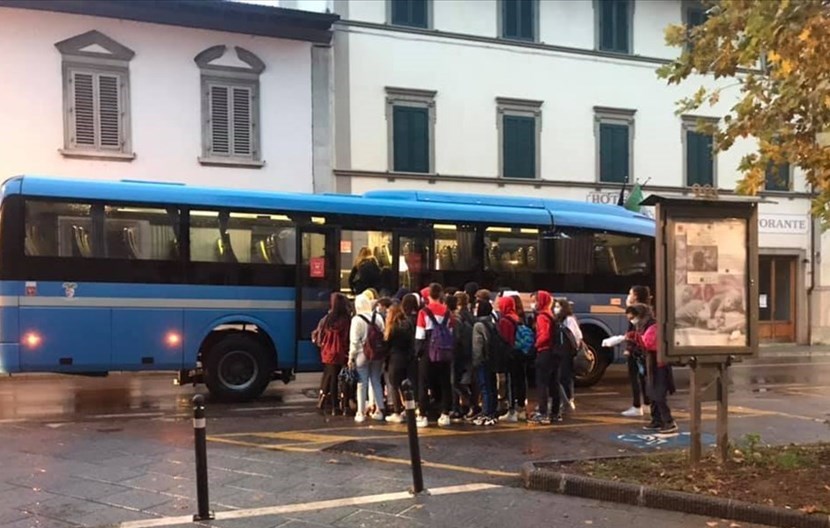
<point>31,289</point>
<point>69,289</point>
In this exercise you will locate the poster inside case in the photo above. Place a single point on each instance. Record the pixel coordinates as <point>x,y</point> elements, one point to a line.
<point>710,281</point>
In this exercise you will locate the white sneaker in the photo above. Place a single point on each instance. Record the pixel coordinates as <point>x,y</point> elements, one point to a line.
<point>378,416</point>
<point>572,404</point>
<point>633,412</point>
<point>522,415</point>
<point>509,416</point>
<point>394,418</point>
<point>444,420</point>
<point>359,418</point>
<point>421,421</point>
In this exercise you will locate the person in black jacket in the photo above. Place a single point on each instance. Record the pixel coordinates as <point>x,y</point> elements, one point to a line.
<point>634,358</point>
<point>366,272</point>
<point>399,335</point>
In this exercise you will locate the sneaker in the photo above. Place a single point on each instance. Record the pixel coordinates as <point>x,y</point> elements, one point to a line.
<point>359,418</point>
<point>456,417</point>
<point>539,419</point>
<point>471,416</point>
<point>668,430</point>
<point>421,421</point>
<point>395,418</point>
<point>521,415</point>
<point>509,417</point>
<point>572,404</point>
<point>556,418</point>
<point>444,420</point>
<point>652,427</point>
<point>633,412</point>
<point>488,422</point>
<point>378,416</point>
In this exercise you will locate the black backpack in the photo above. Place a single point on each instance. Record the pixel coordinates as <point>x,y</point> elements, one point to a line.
<point>500,352</point>
<point>562,340</point>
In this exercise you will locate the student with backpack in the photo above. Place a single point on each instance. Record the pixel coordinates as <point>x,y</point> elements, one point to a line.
<point>554,342</point>
<point>434,345</point>
<point>332,338</point>
<point>399,336</point>
<point>565,315</point>
<point>366,354</point>
<point>512,363</point>
<point>466,397</point>
<point>485,336</point>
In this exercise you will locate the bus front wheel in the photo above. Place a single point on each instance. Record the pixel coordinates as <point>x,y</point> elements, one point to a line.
<point>594,367</point>
<point>237,368</point>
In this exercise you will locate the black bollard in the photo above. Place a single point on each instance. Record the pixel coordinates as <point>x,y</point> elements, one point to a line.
<point>412,433</point>
<point>200,437</point>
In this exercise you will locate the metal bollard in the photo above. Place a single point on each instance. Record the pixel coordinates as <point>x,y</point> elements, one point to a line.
<point>412,433</point>
<point>200,437</point>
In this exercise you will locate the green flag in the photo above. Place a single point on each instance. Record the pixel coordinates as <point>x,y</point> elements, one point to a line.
<point>634,199</point>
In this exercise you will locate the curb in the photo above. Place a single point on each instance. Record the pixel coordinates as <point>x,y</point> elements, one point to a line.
<point>537,478</point>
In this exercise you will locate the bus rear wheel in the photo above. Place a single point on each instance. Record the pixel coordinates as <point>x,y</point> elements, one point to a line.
<point>237,368</point>
<point>594,368</point>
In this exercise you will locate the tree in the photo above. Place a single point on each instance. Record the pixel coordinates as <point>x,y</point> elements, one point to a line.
<point>777,52</point>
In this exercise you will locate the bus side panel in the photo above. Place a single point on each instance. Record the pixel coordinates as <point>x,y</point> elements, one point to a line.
<point>308,358</point>
<point>147,339</point>
<point>71,338</point>
<point>278,324</point>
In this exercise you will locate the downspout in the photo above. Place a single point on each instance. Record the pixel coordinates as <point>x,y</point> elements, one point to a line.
<point>810,290</point>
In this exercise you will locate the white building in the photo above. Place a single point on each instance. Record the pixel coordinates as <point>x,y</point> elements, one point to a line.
<point>196,92</point>
<point>558,97</point>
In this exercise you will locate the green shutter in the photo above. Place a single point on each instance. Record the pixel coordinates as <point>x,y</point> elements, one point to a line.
<point>613,153</point>
<point>526,19</point>
<point>510,18</point>
<point>606,25</point>
<point>621,26</point>
<point>695,16</point>
<point>613,25</point>
<point>411,13</point>
<point>699,159</point>
<point>778,178</point>
<point>519,146</point>
<point>410,139</point>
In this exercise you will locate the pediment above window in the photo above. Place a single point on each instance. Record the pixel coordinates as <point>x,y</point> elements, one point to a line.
<point>94,45</point>
<point>219,59</point>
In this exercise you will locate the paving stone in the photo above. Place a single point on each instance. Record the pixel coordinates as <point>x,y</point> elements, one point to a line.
<point>175,507</point>
<point>84,489</point>
<point>159,482</point>
<point>137,499</point>
<point>18,497</point>
<point>39,522</point>
<point>112,516</point>
<point>64,509</point>
<point>368,519</point>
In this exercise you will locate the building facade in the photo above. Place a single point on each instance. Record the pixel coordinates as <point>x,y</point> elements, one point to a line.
<point>550,97</point>
<point>191,92</point>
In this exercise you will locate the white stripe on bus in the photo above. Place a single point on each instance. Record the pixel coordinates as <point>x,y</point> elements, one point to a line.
<point>126,302</point>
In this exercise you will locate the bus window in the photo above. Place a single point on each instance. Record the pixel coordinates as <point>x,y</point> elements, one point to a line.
<point>455,248</point>
<point>413,262</point>
<point>366,262</point>
<point>242,238</point>
<point>621,254</point>
<point>511,249</point>
<point>58,229</point>
<point>136,233</point>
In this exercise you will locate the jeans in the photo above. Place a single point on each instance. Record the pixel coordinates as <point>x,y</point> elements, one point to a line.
<point>487,387</point>
<point>660,412</point>
<point>638,381</point>
<point>368,384</point>
<point>547,377</point>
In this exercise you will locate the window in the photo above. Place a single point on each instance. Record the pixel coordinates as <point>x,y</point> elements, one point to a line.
<point>366,262</point>
<point>699,155</point>
<point>247,238</point>
<point>778,178</point>
<point>230,109</point>
<point>511,249</point>
<point>614,22</point>
<point>593,253</point>
<point>413,262</point>
<point>519,19</point>
<point>96,97</point>
<point>519,123</point>
<point>410,116</point>
<point>614,132</point>
<point>137,233</point>
<point>412,13</point>
<point>455,248</point>
<point>59,229</point>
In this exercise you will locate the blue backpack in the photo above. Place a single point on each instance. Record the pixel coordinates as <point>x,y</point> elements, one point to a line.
<point>525,340</point>
<point>441,340</point>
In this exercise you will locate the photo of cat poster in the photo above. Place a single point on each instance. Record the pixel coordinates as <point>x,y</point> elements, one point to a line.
<point>710,283</point>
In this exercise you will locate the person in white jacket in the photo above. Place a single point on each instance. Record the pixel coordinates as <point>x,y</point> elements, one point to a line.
<point>368,372</point>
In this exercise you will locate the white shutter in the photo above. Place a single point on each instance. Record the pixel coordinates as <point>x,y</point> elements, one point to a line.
<point>83,109</point>
<point>241,121</point>
<point>219,120</point>
<point>109,111</point>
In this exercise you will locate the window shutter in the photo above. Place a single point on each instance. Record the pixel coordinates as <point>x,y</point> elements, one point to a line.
<point>242,121</point>
<point>510,18</point>
<point>519,146</point>
<point>109,111</point>
<point>410,137</point>
<point>83,109</point>
<point>621,26</point>
<point>613,153</point>
<point>695,17</point>
<point>400,12</point>
<point>699,159</point>
<point>606,25</point>
<point>219,122</point>
<point>418,13</point>
<point>526,19</point>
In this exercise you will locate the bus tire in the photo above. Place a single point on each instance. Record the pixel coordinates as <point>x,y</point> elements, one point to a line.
<point>237,368</point>
<point>600,363</point>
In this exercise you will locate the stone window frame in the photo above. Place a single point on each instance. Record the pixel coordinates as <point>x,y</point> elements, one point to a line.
<point>598,29</point>
<point>114,60</point>
<point>523,108</point>
<point>500,23</point>
<point>230,77</point>
<point>412,97</point>
<point>614,116</point>
<point>689,123</point>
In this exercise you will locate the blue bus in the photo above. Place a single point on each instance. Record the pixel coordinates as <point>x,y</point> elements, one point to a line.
<point>226,286</point>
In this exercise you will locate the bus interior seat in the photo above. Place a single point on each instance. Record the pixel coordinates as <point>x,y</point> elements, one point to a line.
<point>264,251</point>
<point>224,250</point>
<point>131,244</point>
<point>81,238</point>
<point>174,249</point>
<point>33,241</point>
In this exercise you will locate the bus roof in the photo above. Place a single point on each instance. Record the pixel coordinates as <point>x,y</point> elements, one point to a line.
<point>431,205</point>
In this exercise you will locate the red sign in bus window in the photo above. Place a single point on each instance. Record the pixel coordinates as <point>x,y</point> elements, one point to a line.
<point>317,267</point>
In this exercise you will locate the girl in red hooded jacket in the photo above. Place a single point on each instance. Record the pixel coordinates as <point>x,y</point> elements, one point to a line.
<point>332,337</point>
<point>509,321</point>
<point>550,351</point>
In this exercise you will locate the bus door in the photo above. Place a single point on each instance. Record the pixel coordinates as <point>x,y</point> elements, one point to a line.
<point>412,258</point>
<point>317,279</point>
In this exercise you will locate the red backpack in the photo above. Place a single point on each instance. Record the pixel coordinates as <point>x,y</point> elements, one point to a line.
<point>332,340</point>
<point>374,347</point>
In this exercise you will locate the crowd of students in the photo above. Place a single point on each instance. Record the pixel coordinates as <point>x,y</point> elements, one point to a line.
<point>467,353</point>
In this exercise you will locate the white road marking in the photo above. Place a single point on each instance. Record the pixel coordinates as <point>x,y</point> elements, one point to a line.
<point>308,506</point>
<point>272,408</point>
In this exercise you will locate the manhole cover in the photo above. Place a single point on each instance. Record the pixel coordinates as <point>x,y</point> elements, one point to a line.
<point>360,447</point>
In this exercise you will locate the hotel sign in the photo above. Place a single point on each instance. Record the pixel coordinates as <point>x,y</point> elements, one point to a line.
<point>784,224</point>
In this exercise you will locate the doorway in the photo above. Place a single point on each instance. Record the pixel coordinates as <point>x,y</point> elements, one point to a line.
<point>777,289</point>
